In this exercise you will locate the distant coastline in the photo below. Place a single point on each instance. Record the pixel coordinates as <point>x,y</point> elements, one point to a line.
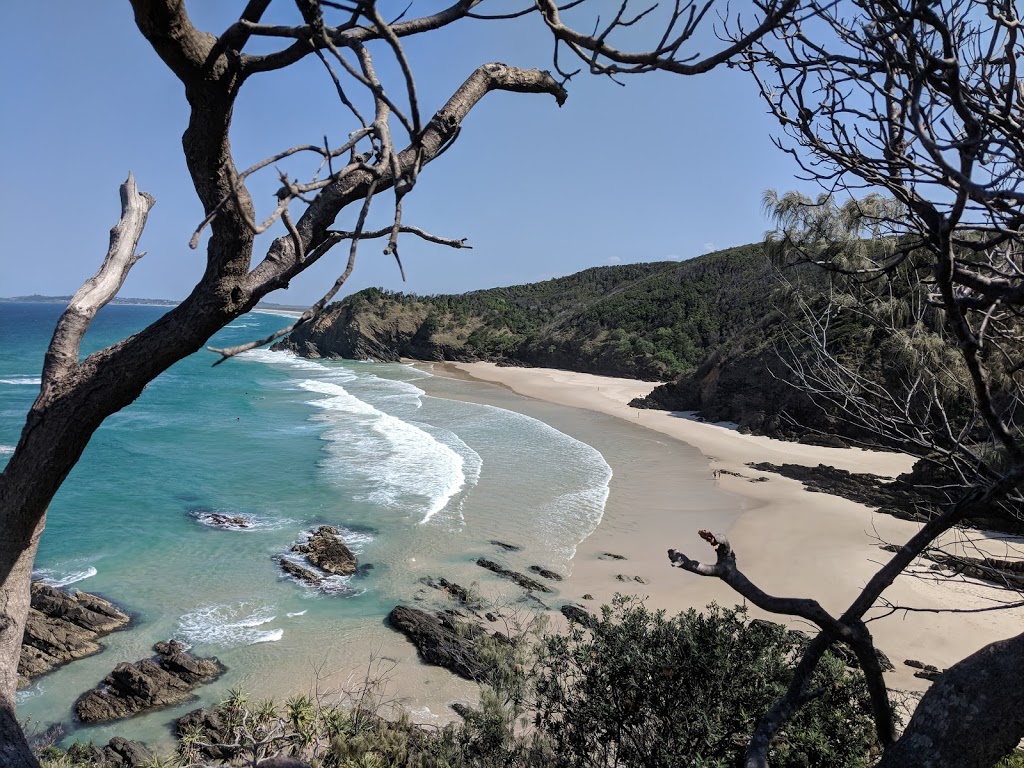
<point>286,310</point>
<point>40,299</point>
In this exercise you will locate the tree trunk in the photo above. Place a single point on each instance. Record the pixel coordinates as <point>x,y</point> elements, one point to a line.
<point>971,717</point>
<point>15,597</point>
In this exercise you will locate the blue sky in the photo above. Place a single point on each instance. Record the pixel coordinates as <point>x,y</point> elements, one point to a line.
<point>665,168</point>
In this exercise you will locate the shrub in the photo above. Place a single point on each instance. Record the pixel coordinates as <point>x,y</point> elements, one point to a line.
<point>639,689</point>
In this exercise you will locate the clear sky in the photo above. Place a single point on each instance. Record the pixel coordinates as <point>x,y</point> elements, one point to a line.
<point>665,168</point>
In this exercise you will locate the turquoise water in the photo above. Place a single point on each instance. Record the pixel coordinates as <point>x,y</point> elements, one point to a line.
<point>418,484</point>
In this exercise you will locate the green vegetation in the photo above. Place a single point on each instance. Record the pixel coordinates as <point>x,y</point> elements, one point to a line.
<point>633,688</point>
<point>653,321</point>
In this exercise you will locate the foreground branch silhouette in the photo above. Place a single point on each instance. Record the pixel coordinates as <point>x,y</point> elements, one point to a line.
<point>388,146</point>
<point>924,102</point>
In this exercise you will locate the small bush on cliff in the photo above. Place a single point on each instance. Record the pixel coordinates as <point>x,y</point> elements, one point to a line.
<point>639,689</point>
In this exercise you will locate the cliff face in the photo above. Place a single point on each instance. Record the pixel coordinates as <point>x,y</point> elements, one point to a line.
<point>651,321</point>
<point>359,330</point>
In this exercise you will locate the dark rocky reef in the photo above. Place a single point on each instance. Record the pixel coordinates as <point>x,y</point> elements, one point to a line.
<point>545,573</point>
<point>214,730</point>
<point>522,580</point>
<point>297,571</point>
<point>122,753</point>
<point>915,495</point>
<point>441,639</point>
<point>160,681</point>
<point>455,591</point>
<point>220,520</point>
<point>577,614</point>
<point>62,627</point>
<point>325,550</point>
<point>1004,573</point>
<point>505,545</point>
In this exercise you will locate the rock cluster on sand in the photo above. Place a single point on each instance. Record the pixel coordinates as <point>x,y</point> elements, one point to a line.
<point>442,640</point>
<point>165,679</point>
<point>62,627</point>
<point>521,579</point>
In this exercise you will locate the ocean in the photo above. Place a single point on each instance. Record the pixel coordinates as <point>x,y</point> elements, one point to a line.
<point>418,478</point>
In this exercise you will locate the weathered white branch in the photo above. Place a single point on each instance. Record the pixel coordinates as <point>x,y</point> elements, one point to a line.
<point>98,290</point>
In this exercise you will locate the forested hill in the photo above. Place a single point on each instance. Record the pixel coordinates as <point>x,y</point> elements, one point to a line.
<point>652,321</point>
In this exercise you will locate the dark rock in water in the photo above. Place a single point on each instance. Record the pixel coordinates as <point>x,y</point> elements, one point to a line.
<point>463,710</point>
<point>326,550</point>
<point>62,627</point>
<point>122,753</point>
<point>161,681</point>
<point>624,577</point>
<point>364,570</point>
<point>610,556</point>
<point>455,591</point>
<point>587,596</point>
<point>503,545</point>
<point>441,640</point>
<point>220,520</point>
<point>297,571</point>
<point>522,580</point>
<point>546,573</point>
<point>578,614</point>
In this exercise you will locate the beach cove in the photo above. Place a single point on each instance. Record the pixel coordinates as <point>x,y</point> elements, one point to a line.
<point>422,466</point>
<point>788,541</point>
<point>419,472</point>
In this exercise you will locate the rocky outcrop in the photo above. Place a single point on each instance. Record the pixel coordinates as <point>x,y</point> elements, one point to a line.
<point>213,729</point>
<point>160,681</point>
<point>455,591</point>
<point>505,546</point>
<point>220,520</point>
<point>361,330</point>
<point>62,627</point>
<point>441,639</point>
<point>326,550</point>
<point>546,573</point>
<point>577,614</point>
<point>297,571</point>
<point>914,496</point>
<point>122,753</point>
<point>521,579</point>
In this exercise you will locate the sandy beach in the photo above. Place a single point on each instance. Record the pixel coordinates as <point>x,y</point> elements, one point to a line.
<point>788,541</point>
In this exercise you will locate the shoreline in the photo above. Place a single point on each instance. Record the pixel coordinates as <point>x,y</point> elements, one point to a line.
<point>789,541</point>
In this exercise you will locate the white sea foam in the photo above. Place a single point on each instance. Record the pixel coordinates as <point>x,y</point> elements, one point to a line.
<point>22,381</point>
<point>29,693</point>
<point>62,578</point>
<point>291,360</point>
<point>6,450</point>
<point>401,464</point>
<point>293,614</point>
<point>228,625</point>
